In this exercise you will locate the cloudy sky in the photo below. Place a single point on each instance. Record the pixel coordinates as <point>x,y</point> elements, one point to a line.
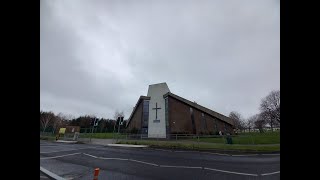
<point>99,56</point>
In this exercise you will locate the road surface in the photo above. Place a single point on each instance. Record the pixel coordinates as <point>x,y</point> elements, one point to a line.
<point>78,161</point>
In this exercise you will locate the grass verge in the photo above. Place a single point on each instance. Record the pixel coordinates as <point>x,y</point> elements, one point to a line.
<point>102,135</point>
<point>48,138</point>
<point>245,140</point>
<point>203,146</point>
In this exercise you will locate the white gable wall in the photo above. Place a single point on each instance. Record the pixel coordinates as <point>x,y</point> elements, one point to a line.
<point>156,92</point>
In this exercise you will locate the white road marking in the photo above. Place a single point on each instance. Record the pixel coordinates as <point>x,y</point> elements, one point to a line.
<point>104,157</point>
<point>245,155</point>
<point>216,154</point>
<point>120,159</point>
<point>90,155</point>
<point>163,150</point>
<point>51,174</point>
<point>184,151</point>
<point>60,156</point>
<point>143,162</point>
<point>266,174</point>
<point>68,150</point>
<point>231,172</point>
<point>189,167</point>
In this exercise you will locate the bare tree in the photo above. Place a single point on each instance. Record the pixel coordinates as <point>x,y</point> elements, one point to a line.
<point>57,121</point>
<point>260,123</point>
<point>270,107</point>
<point>68,117</point>
<point>45,119</point>
<point>237,119</point>
<point>251,121</point>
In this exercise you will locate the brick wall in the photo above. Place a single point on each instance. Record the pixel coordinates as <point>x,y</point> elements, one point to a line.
<point>179,113</point>
<point>136,118</point>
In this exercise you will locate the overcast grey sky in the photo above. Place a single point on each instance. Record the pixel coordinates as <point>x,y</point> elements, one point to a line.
<point>99,56</point>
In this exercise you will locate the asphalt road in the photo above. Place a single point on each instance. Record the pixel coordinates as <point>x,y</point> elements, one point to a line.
<point>78,161</point>
<point>43,176</point>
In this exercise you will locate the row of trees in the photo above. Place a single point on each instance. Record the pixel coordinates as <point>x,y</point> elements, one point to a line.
<point>49,122</point>
<point>269,114</point>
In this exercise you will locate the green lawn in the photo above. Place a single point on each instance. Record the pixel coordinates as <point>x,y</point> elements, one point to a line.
<point>269,141</point>
<point>242,139</point>
<point>203,146</point>
<point>246,138</point>
<point>101,135</point>
<point>48,138</point>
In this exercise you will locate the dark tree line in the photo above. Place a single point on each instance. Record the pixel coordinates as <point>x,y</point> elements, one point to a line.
<point>49,122</point>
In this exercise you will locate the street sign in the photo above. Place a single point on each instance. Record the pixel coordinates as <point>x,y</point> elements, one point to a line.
<point>62,130</point>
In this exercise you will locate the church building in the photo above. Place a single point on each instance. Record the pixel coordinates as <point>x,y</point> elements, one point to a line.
<point>161,113</point>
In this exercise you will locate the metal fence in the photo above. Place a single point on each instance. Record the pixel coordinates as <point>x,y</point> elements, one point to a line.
<point>184,141</point>
<point>253,138</point>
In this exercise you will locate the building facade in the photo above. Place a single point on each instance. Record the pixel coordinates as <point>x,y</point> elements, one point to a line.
<point>161,113</point>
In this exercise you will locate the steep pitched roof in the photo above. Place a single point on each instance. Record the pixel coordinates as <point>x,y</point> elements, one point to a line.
<point>135,108</point>
<point>201,108</point>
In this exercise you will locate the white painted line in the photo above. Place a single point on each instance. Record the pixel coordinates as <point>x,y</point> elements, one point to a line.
<point>163,150</point>
<point>216,154</point>
<point>62,141</point>
<point>231,172</point>
<point>271,154</point>
<point>68,150</point>
<point>51,174</point>
<point>180,167</point>
<point>188,167</point>
<point>104,157</point>
<point>143,162</point>
<point>120,159</point>
<point>184,151</point>
<point>245,155</point>
<point>212,153</point>
<point>90,155</point>
<point>60,156</point>
<point>266,174</point>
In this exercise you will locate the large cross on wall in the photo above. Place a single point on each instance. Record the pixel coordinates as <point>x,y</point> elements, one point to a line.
<point>156,108</point>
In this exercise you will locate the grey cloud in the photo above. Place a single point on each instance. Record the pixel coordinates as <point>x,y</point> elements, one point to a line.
<point>99,56</point>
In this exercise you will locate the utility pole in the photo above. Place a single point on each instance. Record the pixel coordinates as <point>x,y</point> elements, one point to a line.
<point>114,129</point>
<point>95,123</point>
<point>92,124</point>
<point>114,126</point>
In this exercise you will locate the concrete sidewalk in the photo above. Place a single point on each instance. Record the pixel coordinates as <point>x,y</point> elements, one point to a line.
<point>104,142</point>
<point>127,145</point>
<point>109,142</point>
<point>63,141</point>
